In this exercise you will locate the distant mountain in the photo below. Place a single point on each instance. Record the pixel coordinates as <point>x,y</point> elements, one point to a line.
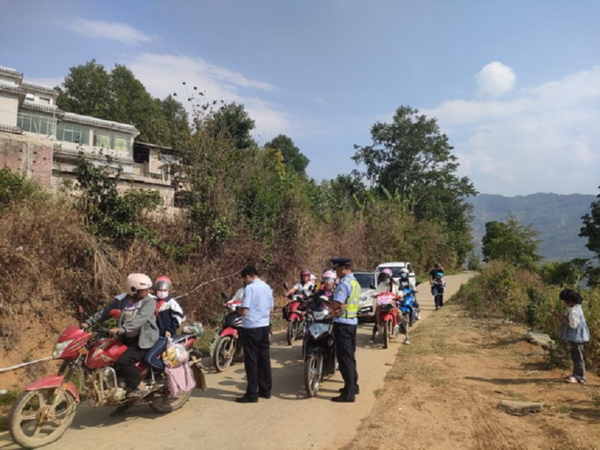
<point>557,218</point>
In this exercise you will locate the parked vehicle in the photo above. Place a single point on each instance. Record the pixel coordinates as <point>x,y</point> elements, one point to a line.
<point>227,343</point>
<point>387,316</point>
<point>44,411</point>
<point>368,304</point>
<point>395,268</point>
<point>318,345</point>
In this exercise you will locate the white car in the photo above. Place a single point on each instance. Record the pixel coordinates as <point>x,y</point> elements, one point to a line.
<point>395,268</point>
<point>366,307</point>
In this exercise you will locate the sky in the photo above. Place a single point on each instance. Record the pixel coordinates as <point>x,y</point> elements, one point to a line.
<point>514,84</point>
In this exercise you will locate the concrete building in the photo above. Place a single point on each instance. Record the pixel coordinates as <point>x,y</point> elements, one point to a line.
<point>40,141</point>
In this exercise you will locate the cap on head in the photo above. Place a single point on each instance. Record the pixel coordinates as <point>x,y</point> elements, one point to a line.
<point>341,262</point>
<point>329,275</point>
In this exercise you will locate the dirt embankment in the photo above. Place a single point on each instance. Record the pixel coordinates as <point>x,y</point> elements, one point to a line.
<point>443,393</point>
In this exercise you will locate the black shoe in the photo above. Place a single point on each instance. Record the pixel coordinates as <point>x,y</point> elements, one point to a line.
<point>343,399</point>
<point>356,391</point>
<point>266,395</point>
<point>246,400</point>
<point>120,411</point>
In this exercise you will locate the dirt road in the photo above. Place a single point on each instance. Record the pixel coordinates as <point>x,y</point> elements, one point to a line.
<point>213,420</point>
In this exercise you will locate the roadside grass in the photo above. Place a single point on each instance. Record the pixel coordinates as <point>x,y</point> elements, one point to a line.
<point>6,401</point>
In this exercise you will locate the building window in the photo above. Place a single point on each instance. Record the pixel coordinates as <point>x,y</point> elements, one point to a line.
<point>101,139</point>
<point>70,132</point>
<point>36,123</point>
<point>112,140</point>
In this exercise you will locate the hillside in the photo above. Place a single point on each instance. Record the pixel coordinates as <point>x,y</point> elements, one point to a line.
<point>557,218</point>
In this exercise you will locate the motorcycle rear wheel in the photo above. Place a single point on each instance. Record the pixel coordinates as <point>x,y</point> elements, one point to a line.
<point>313,373</point>
<point>40,417</point>
<point>165,404</point>
<point>224,353</point>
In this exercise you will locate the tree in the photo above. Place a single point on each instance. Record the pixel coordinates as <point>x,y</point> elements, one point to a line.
<point>411,160</point>
<point>411,157</point>
<point>512,243</point>
<point>86,90</point>
<point>591,227</point>
<point>293,158</point>
<point>177,119</point>
<point>232,122</point>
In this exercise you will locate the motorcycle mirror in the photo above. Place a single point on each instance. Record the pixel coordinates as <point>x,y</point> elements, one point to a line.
<point>114,313</point>
<point>371,286</point>
<point>223,296</point>
<point>286,286</point>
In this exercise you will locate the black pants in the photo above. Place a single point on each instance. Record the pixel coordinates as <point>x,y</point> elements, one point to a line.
<point>127,361</point>
<point>257,360</point>
<point>345,346</point>
<point>439,300</point>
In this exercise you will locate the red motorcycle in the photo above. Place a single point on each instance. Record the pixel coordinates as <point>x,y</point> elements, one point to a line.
<point>44,411</point>
<point>227,342</point>
<point>387,316</point>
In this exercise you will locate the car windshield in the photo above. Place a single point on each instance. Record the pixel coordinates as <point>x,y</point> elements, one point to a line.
<point>364,279</point>
<point>395,271</point>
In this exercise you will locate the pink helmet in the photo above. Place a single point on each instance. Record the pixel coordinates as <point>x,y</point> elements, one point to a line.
<point>137,282</point>
<point>305,273</point>
<point>329,275</point>
<point>388,271</point>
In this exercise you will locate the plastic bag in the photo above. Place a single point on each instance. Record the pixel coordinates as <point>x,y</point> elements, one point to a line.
<point>175,354</point>
<point>180,380</point>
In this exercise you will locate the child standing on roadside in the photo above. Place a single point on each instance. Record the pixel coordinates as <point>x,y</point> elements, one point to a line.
<point>575,331</point>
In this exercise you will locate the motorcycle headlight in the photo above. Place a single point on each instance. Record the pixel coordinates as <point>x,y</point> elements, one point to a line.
<point>59,348</point>
<point>320,315</point>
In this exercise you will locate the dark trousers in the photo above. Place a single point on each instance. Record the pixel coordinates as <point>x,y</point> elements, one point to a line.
<point>152,357</point>
<point>439,300</point>
<point>345,347</point>
<point>127,361</point>
<point>578,361</point>
<point>257,360</point>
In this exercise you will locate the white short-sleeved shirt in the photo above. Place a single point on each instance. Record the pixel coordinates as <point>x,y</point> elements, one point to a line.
<point>258,298</point>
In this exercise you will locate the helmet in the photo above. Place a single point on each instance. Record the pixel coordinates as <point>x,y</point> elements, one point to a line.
<point>388,271</point>
<point>440,274</point>
<point>384,275</point>
<point>137,282</point>
<point>313,277</point>
<point>329,275</point>
<point>305,273</point>
<point>162,283</point>
<point>403,272</point>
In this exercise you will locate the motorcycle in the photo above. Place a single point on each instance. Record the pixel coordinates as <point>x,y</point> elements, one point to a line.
<point>387,316</point>
<point>318,345</point>
<point>407,306</point>
<point>44,411</point>
<point>227,343</point>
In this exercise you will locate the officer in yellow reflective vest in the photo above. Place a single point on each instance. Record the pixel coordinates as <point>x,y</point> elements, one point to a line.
<point>345,305</point>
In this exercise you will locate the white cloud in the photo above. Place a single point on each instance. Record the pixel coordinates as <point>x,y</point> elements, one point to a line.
<point>100,29</point>
<point>545,139</point>
<point>495,79</point>
<point>164,74</point>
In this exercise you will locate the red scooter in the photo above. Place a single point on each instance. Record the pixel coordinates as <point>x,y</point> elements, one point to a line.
<point>387,316</point>
<point>44,411</point>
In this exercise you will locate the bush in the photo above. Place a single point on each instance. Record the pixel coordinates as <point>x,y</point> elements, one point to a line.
<point>15,188</point>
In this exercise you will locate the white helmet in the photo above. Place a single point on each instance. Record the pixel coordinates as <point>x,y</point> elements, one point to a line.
<point>137,282</point>
<point>403,272</point>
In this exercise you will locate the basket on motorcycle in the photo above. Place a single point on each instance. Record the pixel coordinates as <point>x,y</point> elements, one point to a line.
<point>198,373</point>
<point>388,307</point>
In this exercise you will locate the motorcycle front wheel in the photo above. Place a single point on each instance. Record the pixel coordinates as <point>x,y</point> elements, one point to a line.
<point>40,417</point>
<point>165,404</point>
<point>224,352</point>
<point>386,333</point>
<point>313,373</point>
<point>292,331</point>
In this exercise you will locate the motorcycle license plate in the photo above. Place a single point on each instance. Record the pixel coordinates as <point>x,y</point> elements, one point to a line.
<point>317,329</point>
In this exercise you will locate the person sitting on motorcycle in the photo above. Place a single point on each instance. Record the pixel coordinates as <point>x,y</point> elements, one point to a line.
<point>169,317</point>
<point>304,287</point>
<point>385,283</point>
<point>137,327</point>
<point>404,283</point>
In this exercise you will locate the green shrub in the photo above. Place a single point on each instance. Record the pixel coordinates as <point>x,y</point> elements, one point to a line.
<point>15,188</point>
